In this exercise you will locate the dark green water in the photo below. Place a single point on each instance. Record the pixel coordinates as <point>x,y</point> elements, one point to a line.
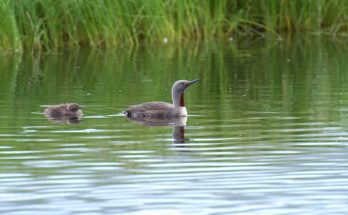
<point>267,131</point>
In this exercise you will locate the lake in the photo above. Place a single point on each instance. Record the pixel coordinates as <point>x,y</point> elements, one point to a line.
<point>267,131</point>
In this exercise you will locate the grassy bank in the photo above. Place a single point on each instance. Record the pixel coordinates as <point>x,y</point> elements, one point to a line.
<point>52,24</point>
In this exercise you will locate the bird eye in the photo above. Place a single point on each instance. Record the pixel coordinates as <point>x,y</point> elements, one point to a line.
<point>182,83</point>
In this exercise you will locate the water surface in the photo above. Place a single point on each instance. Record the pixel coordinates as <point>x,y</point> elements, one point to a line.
<point>266,132</point>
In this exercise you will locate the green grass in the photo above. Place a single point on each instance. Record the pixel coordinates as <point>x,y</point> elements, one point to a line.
<point>52,24</point>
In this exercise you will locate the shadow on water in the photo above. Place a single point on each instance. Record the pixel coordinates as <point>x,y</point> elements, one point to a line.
<point>298,71</point>
<point>178,134</point>
<point>64,119</point>
<point>270,136</point>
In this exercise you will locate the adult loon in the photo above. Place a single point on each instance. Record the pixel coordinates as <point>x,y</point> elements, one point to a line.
<point>163,109</point>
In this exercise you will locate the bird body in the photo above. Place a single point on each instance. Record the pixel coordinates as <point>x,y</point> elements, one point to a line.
<point>63,110</point>
<point>155,110</point>
<point>163,109</point>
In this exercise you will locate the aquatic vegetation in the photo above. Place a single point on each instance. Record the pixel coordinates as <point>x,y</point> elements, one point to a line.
<point>50,24</point>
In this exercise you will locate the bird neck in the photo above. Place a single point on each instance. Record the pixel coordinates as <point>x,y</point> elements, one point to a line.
<point>182,101</point>
<point>178,99</point>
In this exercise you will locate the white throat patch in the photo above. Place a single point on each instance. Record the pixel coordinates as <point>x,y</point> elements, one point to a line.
<point>182,111</point>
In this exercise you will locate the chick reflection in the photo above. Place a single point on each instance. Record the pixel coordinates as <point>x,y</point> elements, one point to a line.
<point>64,113</point>
<point>177,123</point>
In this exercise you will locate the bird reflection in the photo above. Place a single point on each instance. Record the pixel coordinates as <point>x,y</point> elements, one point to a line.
<point>64,119</point>
<point>178,124</point>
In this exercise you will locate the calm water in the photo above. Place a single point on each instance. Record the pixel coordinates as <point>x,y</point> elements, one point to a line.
<point>267,131</point>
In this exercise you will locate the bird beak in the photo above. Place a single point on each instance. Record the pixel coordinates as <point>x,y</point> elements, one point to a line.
<point>194,81</point>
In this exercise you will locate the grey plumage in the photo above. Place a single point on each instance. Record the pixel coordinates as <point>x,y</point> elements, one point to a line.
<point>162,109</point>
<point>151,109</point>
<point>61,110</point>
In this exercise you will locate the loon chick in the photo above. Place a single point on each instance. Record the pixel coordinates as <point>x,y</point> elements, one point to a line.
<point>163,109</point>
<point>63,110</point>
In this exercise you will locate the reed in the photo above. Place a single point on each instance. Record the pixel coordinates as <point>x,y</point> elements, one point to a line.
<point>51,24</point>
